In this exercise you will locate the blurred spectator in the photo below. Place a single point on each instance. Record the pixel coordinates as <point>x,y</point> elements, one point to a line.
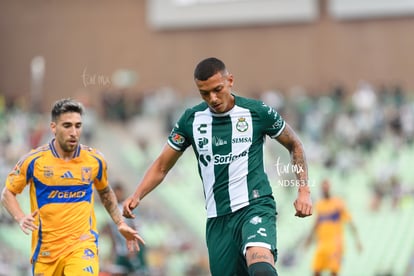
<point>387,188</point>
<point>365,102</point>
<point>273,98</point>
<point>114,105</point>
<point>331,216</point>
<point>90,118</point>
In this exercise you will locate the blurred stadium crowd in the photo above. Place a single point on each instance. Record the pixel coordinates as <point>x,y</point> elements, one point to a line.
<point>341,130</point>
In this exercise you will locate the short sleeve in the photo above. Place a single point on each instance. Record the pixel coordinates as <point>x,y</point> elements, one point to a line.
<point>273,123</point>
<point>18,178</point>
<point>101,179</point>
<point>179,138</point>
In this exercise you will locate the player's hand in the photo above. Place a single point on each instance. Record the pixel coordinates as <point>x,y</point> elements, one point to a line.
<point>131,236</point>
<point>303,204</point>
<point>27,223</point>
<point>128,206</point>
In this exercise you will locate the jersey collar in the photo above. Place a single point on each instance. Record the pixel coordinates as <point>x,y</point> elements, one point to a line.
<point>55,153</point>
<point>225,113</point>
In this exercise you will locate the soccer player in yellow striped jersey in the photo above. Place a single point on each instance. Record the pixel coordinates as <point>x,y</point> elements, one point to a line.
<point>62,177</point>
<point>332,215</point>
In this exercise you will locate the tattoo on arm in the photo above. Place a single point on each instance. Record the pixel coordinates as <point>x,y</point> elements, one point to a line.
<point>110,202</point>
<point>261,257</point>
<point>291,141</point>
<point>299,161</point>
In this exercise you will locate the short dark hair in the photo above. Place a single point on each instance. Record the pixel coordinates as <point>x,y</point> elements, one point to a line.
<point>64,106</point>
<point>208,67</point>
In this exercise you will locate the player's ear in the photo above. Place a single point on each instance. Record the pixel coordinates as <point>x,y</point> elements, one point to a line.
<point>53,127</point>
<point>230,79</point>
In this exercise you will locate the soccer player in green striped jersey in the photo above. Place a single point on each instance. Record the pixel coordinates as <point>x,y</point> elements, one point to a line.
<point>227,133</point>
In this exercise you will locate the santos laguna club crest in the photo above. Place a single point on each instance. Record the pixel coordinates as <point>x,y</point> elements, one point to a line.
<point>242,125</point>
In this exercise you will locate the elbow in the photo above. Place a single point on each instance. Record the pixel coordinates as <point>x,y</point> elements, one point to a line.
<point>161,169</point>
<point>296,147</point>
<point>6,194</point>
<point>3,196</point>
<point>164,171</point>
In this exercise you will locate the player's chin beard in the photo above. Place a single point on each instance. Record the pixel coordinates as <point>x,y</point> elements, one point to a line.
<point>68,148</point>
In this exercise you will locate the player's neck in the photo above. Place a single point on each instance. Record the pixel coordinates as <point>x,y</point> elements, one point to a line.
<point>65,155</point>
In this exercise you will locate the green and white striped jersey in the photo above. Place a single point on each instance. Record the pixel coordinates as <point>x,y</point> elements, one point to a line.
<point>229,150</point>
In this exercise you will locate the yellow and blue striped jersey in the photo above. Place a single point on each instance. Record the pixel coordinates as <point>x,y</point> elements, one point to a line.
<point>332,215</point>
<point>63,192</point>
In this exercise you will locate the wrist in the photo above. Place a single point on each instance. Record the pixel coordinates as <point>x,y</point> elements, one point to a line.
<point>19,219</point>
<point>304,188</point>
<point>121,221</point>
<point>136,198</point>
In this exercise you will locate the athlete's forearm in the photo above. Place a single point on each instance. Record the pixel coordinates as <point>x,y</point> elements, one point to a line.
<point>110,203</point>
<point>9,201</point>
<point>152,178</point>
<point>298,160</point>
<point>292,143</point>
<point>157,172</point>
